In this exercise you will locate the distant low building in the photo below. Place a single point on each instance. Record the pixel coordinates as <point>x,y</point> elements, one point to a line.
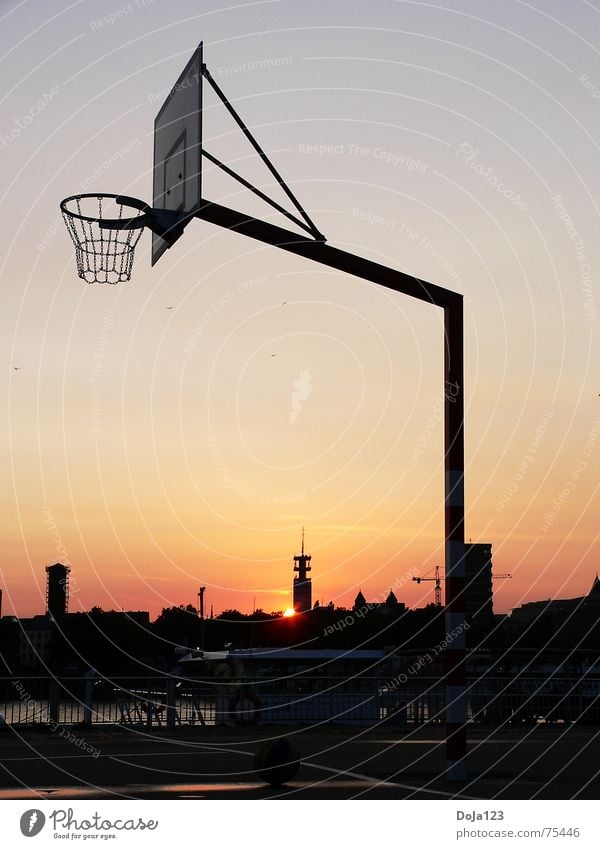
<point>389,606</point>
<point>34,640</point>
<point>141,617</point>
<point>586,608</point>
<point>530,611</point>
<point>359,601</point>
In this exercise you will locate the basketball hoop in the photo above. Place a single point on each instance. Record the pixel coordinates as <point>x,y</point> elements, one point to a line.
<point>104,238</point>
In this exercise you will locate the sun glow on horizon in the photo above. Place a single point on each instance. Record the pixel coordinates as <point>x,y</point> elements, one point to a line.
<point>289,612</point>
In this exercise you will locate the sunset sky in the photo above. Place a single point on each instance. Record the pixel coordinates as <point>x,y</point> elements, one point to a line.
<point>156,450</point>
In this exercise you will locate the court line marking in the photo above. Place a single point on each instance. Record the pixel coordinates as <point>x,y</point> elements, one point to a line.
<point>221,749</point>
<point>359,776</point>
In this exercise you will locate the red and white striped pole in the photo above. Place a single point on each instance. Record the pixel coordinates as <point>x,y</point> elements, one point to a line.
<point>455,681</point>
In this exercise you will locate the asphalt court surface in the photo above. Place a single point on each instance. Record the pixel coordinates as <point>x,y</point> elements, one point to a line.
<point>546,762</point>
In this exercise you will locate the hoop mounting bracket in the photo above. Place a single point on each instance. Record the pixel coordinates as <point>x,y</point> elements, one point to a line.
<point>165,223</point>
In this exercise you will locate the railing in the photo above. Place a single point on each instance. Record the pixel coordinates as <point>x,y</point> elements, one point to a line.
<point>170,701</point>
<point>498,701</point>
<point>90,700</point>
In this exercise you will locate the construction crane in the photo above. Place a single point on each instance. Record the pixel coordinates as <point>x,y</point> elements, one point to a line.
<point>438,583</point>
<point>438,586</point>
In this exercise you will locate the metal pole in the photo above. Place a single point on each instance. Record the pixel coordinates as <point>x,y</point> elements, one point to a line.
<point>171,706</point>
<point>88,694</point>
<point>454,465</point>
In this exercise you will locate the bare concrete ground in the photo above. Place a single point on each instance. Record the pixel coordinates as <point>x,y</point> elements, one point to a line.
<point>547,762</point>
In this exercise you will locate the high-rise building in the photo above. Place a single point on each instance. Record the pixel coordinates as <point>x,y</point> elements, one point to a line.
<point>478,582</point>
<point>302,583</point>
<point>57,590</point>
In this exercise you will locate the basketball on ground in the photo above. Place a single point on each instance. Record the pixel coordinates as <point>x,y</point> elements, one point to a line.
<point>277,762</point>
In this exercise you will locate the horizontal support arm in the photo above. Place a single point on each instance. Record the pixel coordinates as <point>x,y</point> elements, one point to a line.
<point>322,253</point>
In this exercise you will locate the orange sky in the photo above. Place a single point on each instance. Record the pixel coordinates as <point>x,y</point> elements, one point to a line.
<point>157,450</point>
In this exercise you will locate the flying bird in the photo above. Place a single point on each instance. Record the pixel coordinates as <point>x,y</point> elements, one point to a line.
<point>17,368</point>
<point>168,308</point>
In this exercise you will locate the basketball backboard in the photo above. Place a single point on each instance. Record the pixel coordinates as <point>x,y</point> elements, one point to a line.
<point>178,148</point>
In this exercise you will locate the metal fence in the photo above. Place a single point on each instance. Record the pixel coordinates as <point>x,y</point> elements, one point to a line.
<point>156,701</point>
<point>170,701</point>
<point>498,701</point>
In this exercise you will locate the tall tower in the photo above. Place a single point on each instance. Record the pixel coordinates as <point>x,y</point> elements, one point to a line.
<point>57,590</point>
<point>302,584</point>
<point>478,581</point>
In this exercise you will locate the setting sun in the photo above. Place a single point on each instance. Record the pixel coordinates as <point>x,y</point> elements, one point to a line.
<point>289,612</point>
